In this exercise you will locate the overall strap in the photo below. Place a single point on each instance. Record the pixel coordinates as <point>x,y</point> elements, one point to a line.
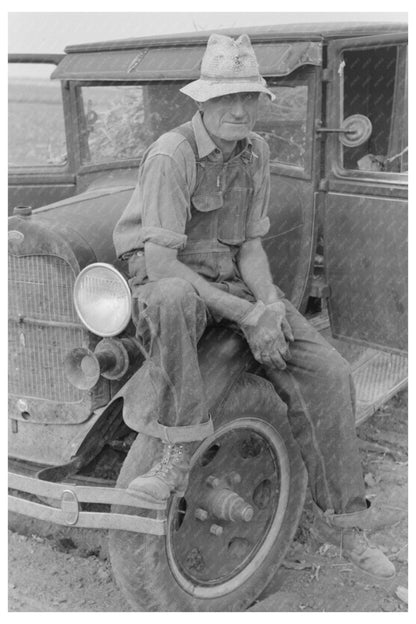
<point>186,130</point>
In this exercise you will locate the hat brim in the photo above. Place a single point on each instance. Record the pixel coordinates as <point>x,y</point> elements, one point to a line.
<point>203,90</point>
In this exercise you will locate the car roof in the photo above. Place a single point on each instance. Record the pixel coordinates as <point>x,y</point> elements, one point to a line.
<point>319,31</point>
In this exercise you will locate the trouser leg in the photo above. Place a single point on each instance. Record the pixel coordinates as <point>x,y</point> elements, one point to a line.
<point>170,318</point>
<point>318,389</point>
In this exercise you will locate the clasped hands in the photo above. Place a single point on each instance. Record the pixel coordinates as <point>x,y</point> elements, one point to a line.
<point>268,333</point>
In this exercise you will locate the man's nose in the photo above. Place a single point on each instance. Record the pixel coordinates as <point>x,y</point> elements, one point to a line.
<point>238,108</point>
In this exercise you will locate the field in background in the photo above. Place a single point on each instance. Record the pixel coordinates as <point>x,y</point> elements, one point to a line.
<point>36,123</point>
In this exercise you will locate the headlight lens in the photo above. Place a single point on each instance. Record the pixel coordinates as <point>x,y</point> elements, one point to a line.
<point>102,299</point>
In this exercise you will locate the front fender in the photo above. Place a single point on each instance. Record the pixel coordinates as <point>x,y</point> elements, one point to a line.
<point>223,356</point>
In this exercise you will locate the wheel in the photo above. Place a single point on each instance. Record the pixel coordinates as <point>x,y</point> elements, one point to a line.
<point>229,533</point>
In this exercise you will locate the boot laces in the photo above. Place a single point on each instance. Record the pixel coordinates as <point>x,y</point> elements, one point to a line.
<point>172,453</point>
<point>358,538</point>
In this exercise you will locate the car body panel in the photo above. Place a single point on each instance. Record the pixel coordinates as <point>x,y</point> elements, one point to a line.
<point>368,299</point>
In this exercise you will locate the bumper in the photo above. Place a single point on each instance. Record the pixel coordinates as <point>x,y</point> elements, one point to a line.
<point>68,499</point>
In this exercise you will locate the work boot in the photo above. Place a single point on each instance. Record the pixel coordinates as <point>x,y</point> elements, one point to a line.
<point>169,475</point>
<point>354,546</point>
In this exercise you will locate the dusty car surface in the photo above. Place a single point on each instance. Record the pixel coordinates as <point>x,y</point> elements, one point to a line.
<point>337,132</point>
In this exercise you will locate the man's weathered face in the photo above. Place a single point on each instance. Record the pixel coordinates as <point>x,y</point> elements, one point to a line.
<point>231,117</point>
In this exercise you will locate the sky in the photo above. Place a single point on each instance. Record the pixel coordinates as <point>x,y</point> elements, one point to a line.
<point>51,31</point>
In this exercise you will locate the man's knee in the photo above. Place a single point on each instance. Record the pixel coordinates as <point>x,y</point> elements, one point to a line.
<point>169,303</point>
<point>169,291</point>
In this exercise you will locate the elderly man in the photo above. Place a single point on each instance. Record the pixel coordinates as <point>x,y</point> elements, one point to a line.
<point>192,236</point>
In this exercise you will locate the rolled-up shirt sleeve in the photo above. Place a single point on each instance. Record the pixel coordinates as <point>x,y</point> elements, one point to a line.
<point>163,237</point>
<point>258,223</point>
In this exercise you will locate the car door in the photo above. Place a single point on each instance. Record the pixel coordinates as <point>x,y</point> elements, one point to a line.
<point>41,158</point>
<point>365,219</point>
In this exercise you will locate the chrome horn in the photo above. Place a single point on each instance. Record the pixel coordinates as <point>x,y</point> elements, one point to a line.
<point>110,359</point>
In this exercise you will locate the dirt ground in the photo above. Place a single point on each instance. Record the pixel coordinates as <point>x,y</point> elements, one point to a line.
<point>50,571</point>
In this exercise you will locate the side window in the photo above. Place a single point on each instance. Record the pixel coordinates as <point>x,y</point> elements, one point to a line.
<point>375,85</point>
<point>36,118</point>
<point>283,123</point>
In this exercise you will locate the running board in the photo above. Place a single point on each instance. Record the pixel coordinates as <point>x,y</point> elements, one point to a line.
<point>377,380</point>
<point>378,375</point>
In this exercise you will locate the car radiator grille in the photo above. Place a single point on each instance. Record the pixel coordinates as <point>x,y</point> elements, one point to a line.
<point>42,327</point>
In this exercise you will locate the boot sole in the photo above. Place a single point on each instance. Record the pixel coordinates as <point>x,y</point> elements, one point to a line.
<point>146,498</point>
<point>372,574</point>
<point>150,499</point>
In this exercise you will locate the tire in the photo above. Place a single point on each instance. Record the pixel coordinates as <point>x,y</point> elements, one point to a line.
<point>190,568</point>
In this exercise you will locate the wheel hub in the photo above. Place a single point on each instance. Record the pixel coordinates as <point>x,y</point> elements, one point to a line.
<point>225,504</point>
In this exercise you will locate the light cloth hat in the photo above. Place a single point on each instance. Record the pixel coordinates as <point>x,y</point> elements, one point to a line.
<point>228,66</point>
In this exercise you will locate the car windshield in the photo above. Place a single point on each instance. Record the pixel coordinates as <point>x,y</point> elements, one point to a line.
<point>119,121</point>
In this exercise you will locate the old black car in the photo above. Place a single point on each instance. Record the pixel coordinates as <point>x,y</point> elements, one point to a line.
<point>337,132</point>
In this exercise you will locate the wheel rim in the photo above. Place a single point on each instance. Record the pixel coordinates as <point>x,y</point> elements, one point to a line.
<point>208,565</point>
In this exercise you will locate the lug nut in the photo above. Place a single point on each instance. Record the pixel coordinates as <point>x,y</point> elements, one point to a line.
<point>234,478</point>
<point>201,514</point>
<point>215,529</point>
<point>213,481</point>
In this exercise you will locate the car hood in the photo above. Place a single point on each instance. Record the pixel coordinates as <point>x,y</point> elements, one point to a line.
<point>79,228</point>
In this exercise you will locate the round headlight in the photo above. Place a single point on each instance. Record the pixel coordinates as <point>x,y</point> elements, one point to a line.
<point>102,299</point>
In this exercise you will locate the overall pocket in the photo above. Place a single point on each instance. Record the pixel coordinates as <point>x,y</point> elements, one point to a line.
<point>231,228</point>
<point>203,224</point>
